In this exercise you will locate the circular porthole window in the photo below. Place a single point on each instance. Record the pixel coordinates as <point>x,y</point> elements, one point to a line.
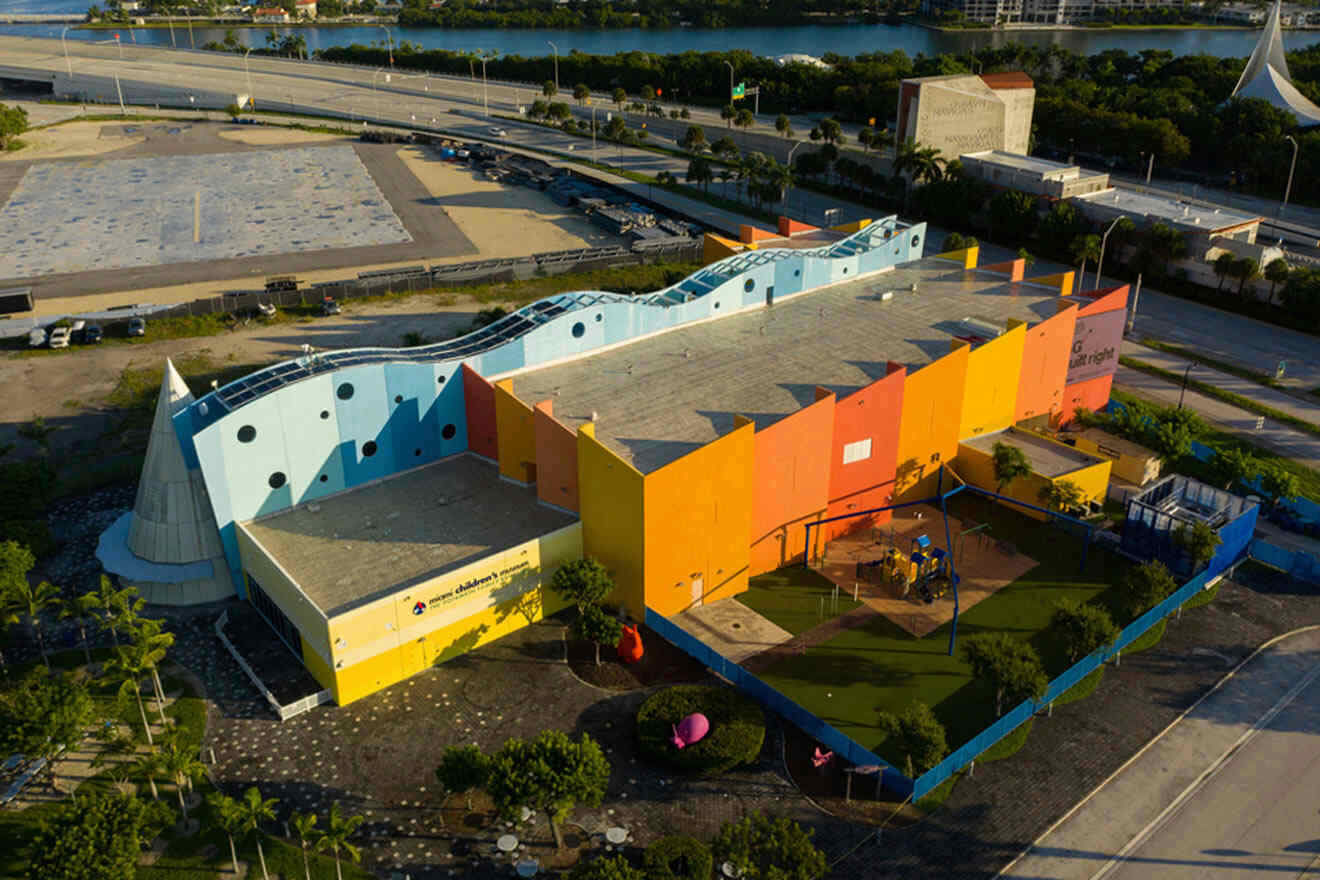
<point>579,330</point>
<point>717,305</point>
<point>749,285</point>
<point>276,480</point>
<point>398,398</point>
<point>916,240</point>
<point>440,381</point>
<point>247,434</point>
<point>448,432</point>
<point>417,452</point>
<point>797,273</point>
<point>345,391</point>
<point>845,270</point>
<point>324,477</point>
<point>369,449</point>
<point>325,413</point>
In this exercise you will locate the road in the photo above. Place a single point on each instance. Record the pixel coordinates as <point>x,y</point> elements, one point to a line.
<point>1229,791</point>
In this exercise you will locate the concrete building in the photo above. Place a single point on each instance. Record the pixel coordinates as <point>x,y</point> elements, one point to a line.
<point>1009,12</point>
<point>268,14</point>
<point>388,509</point>
<point>960,114</point>
<point>1041,177</point>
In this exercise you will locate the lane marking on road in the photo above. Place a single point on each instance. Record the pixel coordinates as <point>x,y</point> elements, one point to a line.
<point>1209,773</point>
<point>1228,676</point>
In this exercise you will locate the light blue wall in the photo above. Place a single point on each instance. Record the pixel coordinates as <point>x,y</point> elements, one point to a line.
<point>403,408</point>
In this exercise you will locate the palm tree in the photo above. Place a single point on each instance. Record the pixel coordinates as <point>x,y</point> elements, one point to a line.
<point>155,643</point>
<point>581,92</point>
<point>1244,270</point>
<point>183,766</point>
<point>130,668</point>
<point>784,125</point>
<point>335,837</point>
<point>922,164</point>
<point>780,177</point>
<point>142,654</point>
<point>148,764</point>
<point>80,609</point>
<point>304,824</point>
<point>254,810</point>
<point>226,816</point>
<point>1085,247</point>
<point>1276,272</point>
<point>117,607</point>
<point>831,131</point>
<point>700,171</point>
<point>619,97</point>
<point>1223,267</point>
<point>25,600</point>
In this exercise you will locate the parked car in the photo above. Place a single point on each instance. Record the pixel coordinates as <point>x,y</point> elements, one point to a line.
<point>496,131</point>
<point>59,337</point>
<point>137,327</point>
<point>92,334</point>
<point>266,309</point>
<point>329,307</point>
<point>36,337</point>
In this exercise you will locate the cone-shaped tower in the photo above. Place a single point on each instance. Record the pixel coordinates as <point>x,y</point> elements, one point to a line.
<point>168,547</point>
<point>1266,74</point>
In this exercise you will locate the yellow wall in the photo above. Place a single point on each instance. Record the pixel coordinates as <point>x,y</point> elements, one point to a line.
<point>1063,280</point>
<point>515,434</point>
<point>716,248</point>
<point>318,666</point>
<point>385,641</point>
<point>1139,469</point>
<point>610,499</point>
<point>993,371</point>
<point>284,592</point>
<point>977,467</point>
<point>698,519</point>
<point>965,257</point>
<point>850,228</point>
<point>932,415</point>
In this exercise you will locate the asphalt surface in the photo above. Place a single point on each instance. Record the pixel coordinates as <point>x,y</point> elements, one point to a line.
<point>1228,791</point>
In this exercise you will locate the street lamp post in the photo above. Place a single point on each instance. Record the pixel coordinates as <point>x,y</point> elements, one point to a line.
<point>248,72</point>
<point>67,62</point>
<point>192,43</point>
<point>729,64</point>
<point>375,96</point>
<point>1150,167</point>
<point>556,49</point>
<point>389,42</point>
<point>593,132</point>
<point>789,162</point>
<point>1183,392</point>
<point>1100,264</point>
<point>170,19</point>
<point>1288,189</point>
<point>121,47</point>
<point>485,96</point>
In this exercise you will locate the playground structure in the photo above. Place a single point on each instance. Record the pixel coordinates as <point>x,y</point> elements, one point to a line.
<point>923,570</point>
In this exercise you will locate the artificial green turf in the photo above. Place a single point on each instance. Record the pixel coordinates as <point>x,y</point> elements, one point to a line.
<point>878,667</point>
<point>791,598</point>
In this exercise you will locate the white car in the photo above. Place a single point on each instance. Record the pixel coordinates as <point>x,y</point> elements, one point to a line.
<point>59,337</point>
<point>498,132</point>
<point>266,309</point>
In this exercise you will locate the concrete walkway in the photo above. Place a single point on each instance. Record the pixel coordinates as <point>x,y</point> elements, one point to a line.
<point>1117,819</point>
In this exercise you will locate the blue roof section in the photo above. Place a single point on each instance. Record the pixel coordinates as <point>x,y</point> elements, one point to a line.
<point>231,397</point>
<point>113,553</point>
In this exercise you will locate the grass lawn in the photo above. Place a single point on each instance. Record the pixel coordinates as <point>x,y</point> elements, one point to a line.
<point>877,667</point>
<point>790,598</point>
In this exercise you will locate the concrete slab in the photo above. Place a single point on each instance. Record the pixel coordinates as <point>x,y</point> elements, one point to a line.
<point>732,629</point>
<point>1046,458</point>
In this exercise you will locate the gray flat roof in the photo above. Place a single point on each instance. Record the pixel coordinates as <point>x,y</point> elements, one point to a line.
<point>359,545</point>
<point>1047,459</point>
<point>1023,163</point>
<point>660,398</point>
<point>1182,213</point>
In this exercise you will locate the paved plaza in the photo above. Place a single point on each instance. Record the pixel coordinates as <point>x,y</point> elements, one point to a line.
<point>77,216</point>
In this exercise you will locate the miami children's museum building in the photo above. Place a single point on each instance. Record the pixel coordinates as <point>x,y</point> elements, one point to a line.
<point>387,509</point>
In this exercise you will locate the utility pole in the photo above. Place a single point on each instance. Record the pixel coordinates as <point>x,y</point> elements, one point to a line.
<point>1288,189</point>
<point>67,62</point>
<point>556,48</point>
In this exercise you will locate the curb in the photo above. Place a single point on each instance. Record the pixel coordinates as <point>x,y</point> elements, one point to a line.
<point>1219,684</point>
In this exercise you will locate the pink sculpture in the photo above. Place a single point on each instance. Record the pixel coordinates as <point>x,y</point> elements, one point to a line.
<point>820,759</point>
<point>630,645</point>
<point>690,730</point>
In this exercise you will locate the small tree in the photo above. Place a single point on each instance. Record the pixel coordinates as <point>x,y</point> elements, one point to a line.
<point>539,109</point>
<point>1010,464</point>
<point>1199,543</point>
<point>1145,586</point>
<point>223,814</point>
<point>1276,272</point>
<point>101,837</point>
<point>762,848</point>
<point>549,89</point>
<point>831,132</point>
<point>1083,248</point>
<point>1231,466</point>
<point>254,809</point>
<point>583,582</point>
<point>700,172</point>
<point>1279,484</point>
<point>559,111</point>
<point>1065,496</point>
<point>724,148</point>
<point>597,626</point>
<point>115,607</point>
<point>619,97</point>
<point>744,118</point>
<point>917,735</point>
<point>13,122</point>
<point>693,139</point>
<point>1244,270</point>
<point>43,712</point>
<point>581,92</point>
<point>463,769</point>
<point>1009,667</point>
<point>304,825</point>
<point>784,125</point>
<point>1223,267</point>
<point>550,773</point>
<point>180,763</point>
<point>1083,628</point>
<point>606,868</point>
<point>335,837</point>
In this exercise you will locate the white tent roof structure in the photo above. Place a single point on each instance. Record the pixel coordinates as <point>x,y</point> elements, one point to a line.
<point>1266,75</point>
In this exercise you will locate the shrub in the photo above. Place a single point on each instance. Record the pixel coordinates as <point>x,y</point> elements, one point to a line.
<point>737,728</point>
<point>678,857</point>
<point>917,735</point>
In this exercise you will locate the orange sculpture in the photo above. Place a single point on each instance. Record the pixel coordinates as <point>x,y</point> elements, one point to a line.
<point>630,645</point>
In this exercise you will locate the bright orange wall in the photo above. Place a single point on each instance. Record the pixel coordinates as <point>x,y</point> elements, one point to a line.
<point>515,434</point>
<point>791,482</point>
<point>1014,269</point>
<point>932,414</point>
<point>993,370</point>
<point>610,498</point>
<point>1063,281</point>
<point>1045,364</point>
<point>556,459</point>
<point>698,518</point>
<point>479,407</point>
<point>871,412</point>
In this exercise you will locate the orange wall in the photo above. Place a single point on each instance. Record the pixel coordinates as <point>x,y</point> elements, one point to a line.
<point>610,495</point>
<point>479,407</point>
<point>1014,269</point>
<point>1045,364</point>
<point>556,459</point>
<point>515,435</point>
<point>993,371</point>
<point>932,412</point>
<point>871,412</point>
<point>698,518</point>
<point>791,482</point>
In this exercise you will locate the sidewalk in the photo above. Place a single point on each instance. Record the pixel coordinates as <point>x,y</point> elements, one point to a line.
<point>1126,805</point>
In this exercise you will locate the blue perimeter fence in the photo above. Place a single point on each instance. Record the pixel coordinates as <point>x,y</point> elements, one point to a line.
<point>1236,537</point>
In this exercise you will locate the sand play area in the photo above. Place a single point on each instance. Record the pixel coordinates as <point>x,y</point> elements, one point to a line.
<point>70,140</point>
<point>501,220</point>
<point>266,136</point>
<point>983,563</point>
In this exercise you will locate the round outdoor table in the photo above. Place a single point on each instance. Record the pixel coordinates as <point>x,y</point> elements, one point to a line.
<point>616,834</point>
<point>506,843</point>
